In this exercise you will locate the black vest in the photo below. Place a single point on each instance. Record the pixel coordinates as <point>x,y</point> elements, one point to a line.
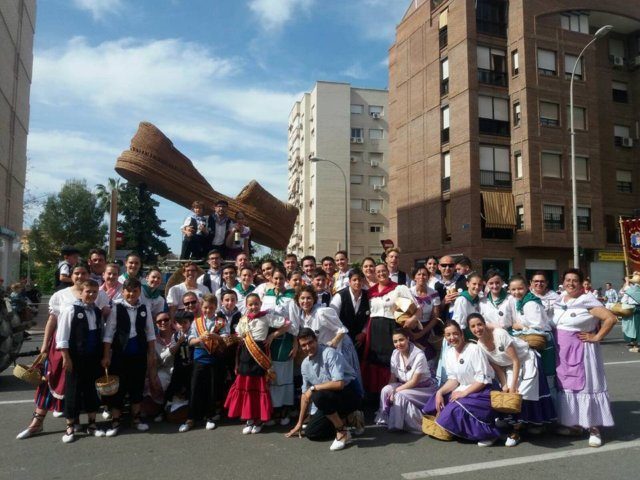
<point>211,226</point>
<point>123,328</point>
<point>354,321</point>
<point>59,285</point>
<point>206,281</point>
<point>235,319</point>
<point>324,299</point>
<point>80,331</point>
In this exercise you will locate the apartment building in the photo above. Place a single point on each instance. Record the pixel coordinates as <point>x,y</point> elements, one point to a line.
<point>479,137</point>
<point>17,26</point>
<point>337,153</point>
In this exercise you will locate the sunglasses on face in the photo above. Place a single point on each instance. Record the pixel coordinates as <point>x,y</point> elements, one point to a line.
<point>447,265</point>
<point>190,304</point>
<point>163,320</point>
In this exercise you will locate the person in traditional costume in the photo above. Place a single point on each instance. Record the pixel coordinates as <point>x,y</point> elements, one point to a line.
<point>462,405</point>
<point>110,284</point>
<point>249,396</point>
<point>411,385</point>
<point>352,306</point>
<point>133,267</point>
<point>631,324</point>
<point>429,334</point>
<point>495,306</point>
<point>519,370</point>
<point>152,293</point>
<point>190,284</point>
<point>539,286</point>
<point>212,278</point>
<point>581,322</point>
<point>341,276</point>
<point>379,339</point>
<point>369,270</point>
<point>159,377</point>
<point>434,273</point>
<point>244,288</point>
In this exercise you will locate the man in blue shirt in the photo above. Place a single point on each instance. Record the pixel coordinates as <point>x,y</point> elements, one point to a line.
<point>330,384</point>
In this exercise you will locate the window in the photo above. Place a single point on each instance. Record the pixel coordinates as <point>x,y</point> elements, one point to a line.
<point>569,62</point>
<point>376,133</point>
<point>446,171</point>
<point>624,181</point>
<point>444,134</point>
<point>518,160</point>
<point>375,228</point>
<point>494,166</point>
<point>546,62</point>
<point>621,135</point>
<point>551,165</point>
<point>444,76</point>
<point>356,109</point>
<point>575,22</point>
<point>357,133</point>
<point>446,221</point>
<point>492,66</point>
<point>519,217</point>
<point>356,157</point>
<point>582,168</point>
<point>357,204</point>
<point>375,204</point>
<point>376,180</point>
<point>494,115</point>
<point>515,63</point>
<point>375,159</point>
<point>491,17</point>
<point>376,110</point>
<point>553,217</point>
<point>357,227</point>
<point>356,179</point>
<point>584,219</point>
<point>357,251</point>
<point>579,118</point>
<point>517,114</point>
<point>443,39</point>
<point>617,51</point>
<point>620,93</point>
<point>549,114</point>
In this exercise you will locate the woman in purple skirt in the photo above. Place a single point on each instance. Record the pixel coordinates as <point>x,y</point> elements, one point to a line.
<point>518,369</point>
<point>463,404</point>
<point>581,323</point>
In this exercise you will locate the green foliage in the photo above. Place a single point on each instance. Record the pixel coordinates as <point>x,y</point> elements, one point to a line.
<point>277,255</point>
<point>103,193</point>
<point>140,224</point>
<point>70,217</point>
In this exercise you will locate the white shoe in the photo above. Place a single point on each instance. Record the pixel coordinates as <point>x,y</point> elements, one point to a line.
<point>99,433</point>
<point>142,427</point>
<point>94,431</point>
<point>113,431</point>
<point>247,429</point>
<point>340,444</point>
<point>57,414</point>
<point>284,421</point>
<point>256,429</point>
<point>159,418</point>
<point>68,438</point>
<point>595,440</point>
<point>512,441</point>
<point>185,427</point>
<point>106,415</point>
<point>210,425</point>
<point>270,423</point>
<point>486,443</point>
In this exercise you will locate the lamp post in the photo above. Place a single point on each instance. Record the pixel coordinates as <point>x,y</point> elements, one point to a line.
<point>601,32</point>
<point>346,197</point>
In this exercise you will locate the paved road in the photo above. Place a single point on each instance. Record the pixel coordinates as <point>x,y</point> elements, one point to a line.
<point>226,454</point>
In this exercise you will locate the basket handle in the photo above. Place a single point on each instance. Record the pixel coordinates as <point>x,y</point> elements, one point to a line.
<point>38,360</point>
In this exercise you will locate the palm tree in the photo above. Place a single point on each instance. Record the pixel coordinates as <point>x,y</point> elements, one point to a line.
<point>103,193</point>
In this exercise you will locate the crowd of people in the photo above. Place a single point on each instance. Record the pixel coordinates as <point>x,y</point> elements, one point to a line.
<point>312,342</point>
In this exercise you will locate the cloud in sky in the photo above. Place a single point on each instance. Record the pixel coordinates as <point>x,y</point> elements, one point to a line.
<point>99,8</point>
<point>274,14</point>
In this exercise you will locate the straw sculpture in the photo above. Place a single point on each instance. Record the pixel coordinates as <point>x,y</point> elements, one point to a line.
<point>153,160</point>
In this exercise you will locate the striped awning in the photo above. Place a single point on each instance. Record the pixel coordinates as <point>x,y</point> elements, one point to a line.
<point>499,210</point>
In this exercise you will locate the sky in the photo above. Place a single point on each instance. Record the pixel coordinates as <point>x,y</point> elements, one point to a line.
<point>218,77</point>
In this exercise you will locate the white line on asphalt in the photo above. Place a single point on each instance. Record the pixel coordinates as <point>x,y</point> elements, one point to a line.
<point>622,363</point>
<point>11,402</point>
<point>472,467</point>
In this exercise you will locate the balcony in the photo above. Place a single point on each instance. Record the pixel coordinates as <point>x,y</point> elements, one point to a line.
<point>491,77</point>
<point>488,126</point>
<point>492,178</point>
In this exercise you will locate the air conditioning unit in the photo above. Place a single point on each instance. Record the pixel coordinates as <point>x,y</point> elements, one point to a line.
<point>354,159</point>
<point>377,188</point>
<point>618,61</point>
<point>354,139</point>
<point>627,142</point>
<point>376,115</point>
<point>359,140</point>
<point>373,211</point>
<point>375,163</point>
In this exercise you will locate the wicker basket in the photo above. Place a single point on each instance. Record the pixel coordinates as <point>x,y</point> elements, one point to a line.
<point>622,309</point>
<point>30,374</point>
<point>431,428</point>
<point>505,402</point>
<point>535,341</point>
<point>107,385</point>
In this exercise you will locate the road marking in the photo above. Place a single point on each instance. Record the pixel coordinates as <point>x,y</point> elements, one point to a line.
<point>473,467</point>
<point>622,363</point>
<point>11,402</point>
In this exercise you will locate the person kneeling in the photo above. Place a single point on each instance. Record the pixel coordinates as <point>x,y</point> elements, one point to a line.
<point>329,383</point>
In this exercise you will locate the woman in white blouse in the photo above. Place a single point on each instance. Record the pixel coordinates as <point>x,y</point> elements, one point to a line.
<point>495,306</point>
<point>518,369</point>
<point>429,302</point>
<point>463,404</point>
<point>581,323</point>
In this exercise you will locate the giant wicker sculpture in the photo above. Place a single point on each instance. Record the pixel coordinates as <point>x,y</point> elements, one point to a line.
<point>153,160</point>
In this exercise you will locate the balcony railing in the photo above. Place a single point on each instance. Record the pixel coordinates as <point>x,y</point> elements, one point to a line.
<point>491,77</point>
<point>492,178</point>
<point>488,126</point>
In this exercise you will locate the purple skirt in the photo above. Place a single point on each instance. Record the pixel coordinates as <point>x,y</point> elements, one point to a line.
<point>470,417</point>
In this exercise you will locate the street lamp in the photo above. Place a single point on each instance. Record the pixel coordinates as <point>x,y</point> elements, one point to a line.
<point>313,159</point>
<point>601,32</point>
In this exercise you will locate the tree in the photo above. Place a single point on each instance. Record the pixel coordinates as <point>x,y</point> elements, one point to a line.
<point>70,217</point>
<point>140,224</point>
<point>103,193</point>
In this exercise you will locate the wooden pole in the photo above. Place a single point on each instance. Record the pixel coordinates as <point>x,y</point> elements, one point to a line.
<point>113,224</point>
<point>624,247</point>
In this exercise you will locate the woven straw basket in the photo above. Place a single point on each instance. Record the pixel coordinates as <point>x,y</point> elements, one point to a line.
<point>506,402</point>
<point>431,428</point>
<point>622,309</point>
<point>107,385</point>
<point>31,374</point>
<point>535,341</point>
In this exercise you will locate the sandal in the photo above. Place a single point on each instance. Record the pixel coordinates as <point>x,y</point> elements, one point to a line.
<point>34,428</point>
<point>70,434</point>
<point>339,444</point>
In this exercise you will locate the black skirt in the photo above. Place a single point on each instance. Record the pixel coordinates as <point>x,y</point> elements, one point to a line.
<point>381,341</point>
<point>247,365</point>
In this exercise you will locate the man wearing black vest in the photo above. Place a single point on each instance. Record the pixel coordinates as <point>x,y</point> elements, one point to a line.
<point>391,258</point>
<point>218,225</point>
<point>212,279</point>
<point>352,305</point>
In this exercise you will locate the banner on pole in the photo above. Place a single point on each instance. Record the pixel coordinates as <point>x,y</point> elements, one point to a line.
<point>630,231</point>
